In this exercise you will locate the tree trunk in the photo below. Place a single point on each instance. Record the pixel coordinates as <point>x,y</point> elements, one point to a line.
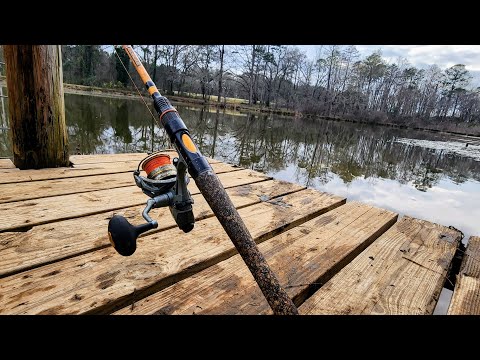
<point>250,95</point>
<point>155,59</point>
<point>455,106</point>
<point>215,132</point>
<point>36,104</point>
<point>220,78</point>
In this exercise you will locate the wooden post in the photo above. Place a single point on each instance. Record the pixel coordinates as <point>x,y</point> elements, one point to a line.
<point>2,116</point>
<point>2,101</point>
<point>36,105</point>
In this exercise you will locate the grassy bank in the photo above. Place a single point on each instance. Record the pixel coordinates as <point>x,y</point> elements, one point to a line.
<point>241,105</point>
<point>235,104</point>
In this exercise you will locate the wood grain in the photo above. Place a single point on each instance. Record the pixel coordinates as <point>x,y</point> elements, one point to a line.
<point>102,158</point>
<point>50,242</point>
<point>402,272</point>
<point>302,258</point>
<point>46,188</point>
<point>103,281</point>
<point>124,166</point>
<point>38,130</point>
<point>6,164</point>
<point>27,213</point>
<point>466,295</point>
<point>86,170</point>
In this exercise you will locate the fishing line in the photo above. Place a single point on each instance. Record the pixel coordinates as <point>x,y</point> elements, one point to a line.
<point>138,91</point>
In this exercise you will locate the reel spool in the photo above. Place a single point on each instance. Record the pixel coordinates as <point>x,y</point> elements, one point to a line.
<point>166,185</point>
<point>158,167</point>
<point>161,174</point>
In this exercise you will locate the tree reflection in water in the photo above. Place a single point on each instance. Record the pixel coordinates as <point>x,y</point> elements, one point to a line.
<point>310,149</point>
<point>363,162</point>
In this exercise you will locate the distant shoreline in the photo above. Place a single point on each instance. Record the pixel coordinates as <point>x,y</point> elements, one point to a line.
<point>128,94</point>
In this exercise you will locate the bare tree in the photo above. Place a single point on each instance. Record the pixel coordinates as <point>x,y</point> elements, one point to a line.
<point>221,52</point>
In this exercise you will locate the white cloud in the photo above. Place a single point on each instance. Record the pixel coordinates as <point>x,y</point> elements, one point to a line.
<point>442,55</point>
<point>423,55</point>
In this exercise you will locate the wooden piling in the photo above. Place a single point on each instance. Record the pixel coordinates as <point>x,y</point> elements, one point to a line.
<point>36,106</point>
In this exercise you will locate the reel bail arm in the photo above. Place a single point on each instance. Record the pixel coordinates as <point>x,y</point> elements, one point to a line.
<point>170,191</point>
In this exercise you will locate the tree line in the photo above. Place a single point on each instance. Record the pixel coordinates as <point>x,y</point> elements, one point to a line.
<point>338,82</point>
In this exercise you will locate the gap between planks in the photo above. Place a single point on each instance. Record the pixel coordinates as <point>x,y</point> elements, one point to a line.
<point>27,213</point>
<point>303,258</point>
<point>466,294</point>
<point>56,241</point>
<point>30,190</point>
<point>103,158</point>
<point>103,281</point>
<point>83,170</point>
<point>402,272</point>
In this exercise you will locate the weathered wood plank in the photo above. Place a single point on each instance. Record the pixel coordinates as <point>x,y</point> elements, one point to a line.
<point>39,189</point>
<point>102,281</point>
<point>302,258</point>
<point>130,166</point>
<point>471,260</point>
<point>402,272</point>
<point>466,295</point>
<point>86,170</point>
<point>7,171</point>
<point>102,158</point>
<point>50,242</point>
<point>218,167</point>
<point>7,177</point>
<point>6,164</point>
<point>45,188</point>
<point>44,210</point>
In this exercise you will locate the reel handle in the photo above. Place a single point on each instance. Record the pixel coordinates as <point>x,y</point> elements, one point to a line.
<point>123,235</point>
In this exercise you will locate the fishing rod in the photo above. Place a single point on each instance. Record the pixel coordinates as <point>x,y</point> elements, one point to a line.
<point>166,185</point>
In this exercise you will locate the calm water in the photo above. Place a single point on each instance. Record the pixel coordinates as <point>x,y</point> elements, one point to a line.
<point>425,175</point>
<point>421,174</point>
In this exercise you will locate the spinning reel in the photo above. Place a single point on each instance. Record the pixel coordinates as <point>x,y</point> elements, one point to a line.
<point>166,185</point>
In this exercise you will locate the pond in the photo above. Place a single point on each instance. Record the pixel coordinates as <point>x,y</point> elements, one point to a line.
<point>427,175</point>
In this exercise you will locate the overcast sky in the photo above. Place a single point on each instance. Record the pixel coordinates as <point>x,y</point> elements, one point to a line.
<point>423,55</point>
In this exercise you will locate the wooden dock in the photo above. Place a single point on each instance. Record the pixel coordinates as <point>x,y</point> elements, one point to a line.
<point>331,256</point>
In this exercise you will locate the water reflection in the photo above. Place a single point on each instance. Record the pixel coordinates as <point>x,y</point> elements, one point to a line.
<point>426,175</point>
<point>106,125</point>
<point>120,124</point>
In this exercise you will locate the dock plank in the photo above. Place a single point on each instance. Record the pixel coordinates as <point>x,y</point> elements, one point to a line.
<point>6,164</point>
<point>86,170</point>
<point>125,166</point>
<point>471,261</point>
<point>38,189</point>
<point>46,188</point>
<point>51,242</point>
<point>466,295</point>
<point>67,172</point>
<point>102,158</point>
<point>301,258</point>
<point>402,272</point>
<point>102,281</point>
<point>44,210</point>
<point>12,176</point>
